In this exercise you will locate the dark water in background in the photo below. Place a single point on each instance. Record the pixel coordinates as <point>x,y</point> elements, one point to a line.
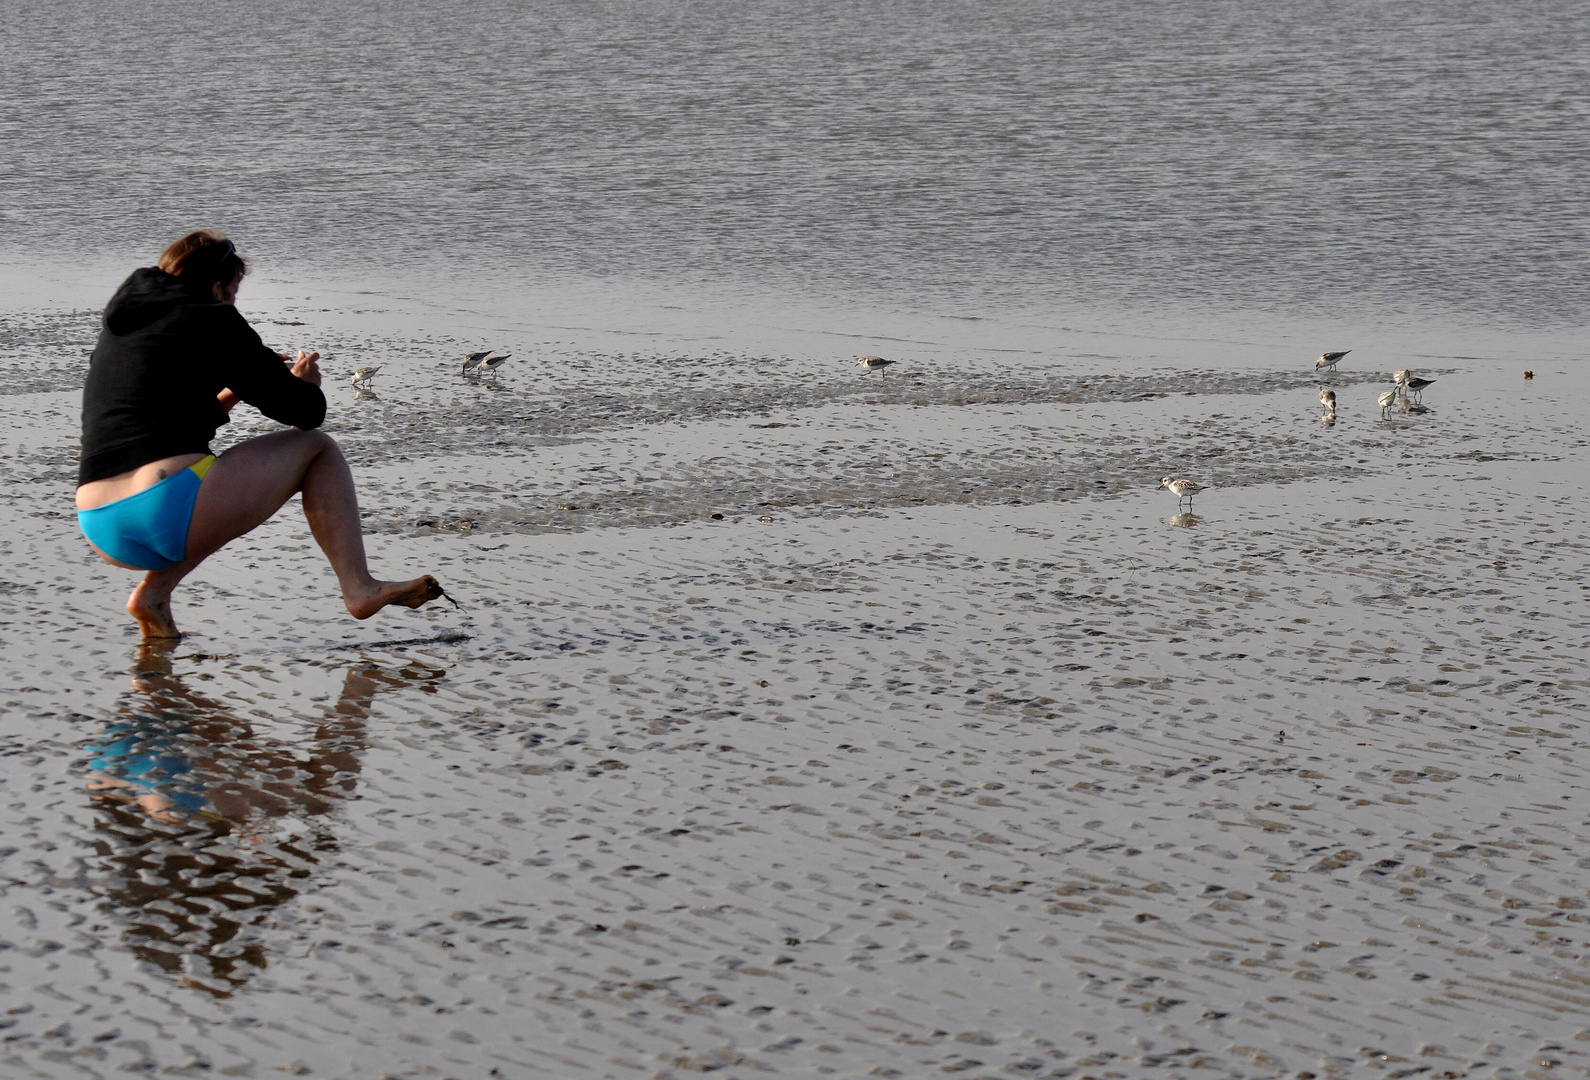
<point>1350,158</point>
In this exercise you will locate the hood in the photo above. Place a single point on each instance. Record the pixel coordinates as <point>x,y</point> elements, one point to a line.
<point>148,295</point>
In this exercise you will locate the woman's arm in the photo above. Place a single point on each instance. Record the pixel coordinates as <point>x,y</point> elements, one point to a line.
<point>299,367</point>
<point>284,388</point>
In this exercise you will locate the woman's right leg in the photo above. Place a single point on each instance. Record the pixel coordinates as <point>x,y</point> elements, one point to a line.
<point>244,488</point>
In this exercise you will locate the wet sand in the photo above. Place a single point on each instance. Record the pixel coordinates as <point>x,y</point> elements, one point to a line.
<point>950,747</point>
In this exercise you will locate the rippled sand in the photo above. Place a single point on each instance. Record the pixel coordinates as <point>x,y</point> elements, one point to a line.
<point>949,747</point>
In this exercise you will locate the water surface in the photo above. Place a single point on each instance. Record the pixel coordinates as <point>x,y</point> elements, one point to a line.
<point>1374,162</point>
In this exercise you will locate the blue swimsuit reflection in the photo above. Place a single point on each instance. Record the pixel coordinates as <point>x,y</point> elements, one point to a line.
<point>147,760</point>
<point>204,825</point>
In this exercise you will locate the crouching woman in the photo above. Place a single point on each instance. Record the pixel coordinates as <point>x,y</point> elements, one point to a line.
<point>174,356</point>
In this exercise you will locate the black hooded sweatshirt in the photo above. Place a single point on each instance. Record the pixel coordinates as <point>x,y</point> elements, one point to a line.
<point>165,351</point>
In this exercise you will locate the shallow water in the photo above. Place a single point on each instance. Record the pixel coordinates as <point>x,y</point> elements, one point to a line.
<point>950,746</point>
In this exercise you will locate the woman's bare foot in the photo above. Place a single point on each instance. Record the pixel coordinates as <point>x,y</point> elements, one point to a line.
<point>410,594</point>
<point>150,604</point>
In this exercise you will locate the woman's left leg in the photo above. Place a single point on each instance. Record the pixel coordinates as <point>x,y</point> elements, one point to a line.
<point>243,489</point>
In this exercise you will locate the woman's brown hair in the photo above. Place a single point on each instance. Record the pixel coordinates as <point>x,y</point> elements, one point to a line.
<point>204,258</point>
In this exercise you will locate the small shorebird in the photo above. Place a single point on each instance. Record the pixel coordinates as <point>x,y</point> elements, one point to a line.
<point>1412,384</point>
<point>1386,401</point>
<point>874,363</point>
<point>364,374</point>
<point>1400,377</point>
<point>1327,398</point>
<point>476,362</point>
<point>1330,359</point>
<point>1182,489</point>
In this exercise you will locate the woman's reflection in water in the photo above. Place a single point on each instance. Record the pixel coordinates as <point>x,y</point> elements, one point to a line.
<point>205,826</point>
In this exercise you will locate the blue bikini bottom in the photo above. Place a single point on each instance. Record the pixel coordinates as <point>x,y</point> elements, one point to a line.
<point>148,530</point>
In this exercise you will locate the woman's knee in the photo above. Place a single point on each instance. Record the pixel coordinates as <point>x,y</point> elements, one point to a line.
<point>295,444</point>
<point>317,440</point>
<point>326,448</point>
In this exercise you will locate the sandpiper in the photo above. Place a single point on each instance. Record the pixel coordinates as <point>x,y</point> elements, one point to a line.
<point>1330,359</point>
<point>1386,401</point>
<point>871,363</point>
<point>1412,384</point>
<point>492,363</point>
<point>1327,398</point>
<point>364,374</point>
<point>473,360</point>
<point>1182,489</point>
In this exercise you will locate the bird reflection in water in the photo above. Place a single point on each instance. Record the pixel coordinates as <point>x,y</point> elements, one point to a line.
<point>1183,521</point>
<point>205,825</point>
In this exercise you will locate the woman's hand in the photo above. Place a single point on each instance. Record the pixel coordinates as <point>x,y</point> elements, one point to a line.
<point>306,367</point>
